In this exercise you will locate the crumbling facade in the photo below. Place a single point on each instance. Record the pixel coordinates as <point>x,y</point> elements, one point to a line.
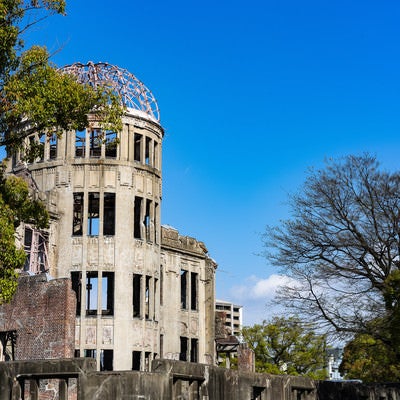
<point>142,292</point>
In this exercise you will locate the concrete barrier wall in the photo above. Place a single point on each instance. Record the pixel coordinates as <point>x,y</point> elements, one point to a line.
<point>77,379</point>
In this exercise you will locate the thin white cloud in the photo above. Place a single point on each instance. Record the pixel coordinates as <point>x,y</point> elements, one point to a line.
<point>257,288</point>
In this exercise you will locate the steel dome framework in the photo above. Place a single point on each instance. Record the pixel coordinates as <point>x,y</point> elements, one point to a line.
<point>133,93</point>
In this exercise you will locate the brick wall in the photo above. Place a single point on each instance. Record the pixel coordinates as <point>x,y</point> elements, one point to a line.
<point>42,313</point>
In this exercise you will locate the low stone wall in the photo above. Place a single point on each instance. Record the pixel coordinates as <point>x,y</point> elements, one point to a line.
<point>77,379</point>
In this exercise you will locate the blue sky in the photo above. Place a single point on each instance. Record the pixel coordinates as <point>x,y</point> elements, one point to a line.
<point>251,94</point>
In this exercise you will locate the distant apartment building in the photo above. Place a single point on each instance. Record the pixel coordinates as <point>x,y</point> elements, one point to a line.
<point>233,316</point>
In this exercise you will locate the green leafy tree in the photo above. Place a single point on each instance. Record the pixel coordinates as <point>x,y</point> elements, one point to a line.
<point>342,250</point>
<point>16,206</point>
<point>286,346</point>
<point>36,97</point>
<point>370,360</point>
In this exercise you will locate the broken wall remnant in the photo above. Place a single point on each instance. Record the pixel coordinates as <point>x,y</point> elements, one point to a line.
<point>39,322</point>
<point>77,379</point>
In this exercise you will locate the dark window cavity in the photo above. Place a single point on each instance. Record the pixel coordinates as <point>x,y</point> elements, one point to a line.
<point>109,214</point>
<point>183,348</point>
<point>136,355</point>
<point>194,349</point>
<point>147,152</point>
<point>184,304</point>
<point>8,341</point>
<point>76,278</point>
<point>106,360</point>
<point>138,147</point>
<point>136,295</point>
<point>137,212</point>
<point>77,225</point>
<point>193,291</point>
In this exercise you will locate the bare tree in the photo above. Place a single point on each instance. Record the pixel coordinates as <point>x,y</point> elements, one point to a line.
<point>342,248</point>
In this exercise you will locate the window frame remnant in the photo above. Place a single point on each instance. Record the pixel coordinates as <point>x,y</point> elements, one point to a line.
<point>8,342</point>
<point>53,142</point>
<point>92,284</point>
<point>95,142</point>
<point>110,144</point>
<point>35,247</point>
<point>80,143</point>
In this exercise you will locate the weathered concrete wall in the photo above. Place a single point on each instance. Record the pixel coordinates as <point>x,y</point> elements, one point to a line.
<point>173,380</point>
<point>42,313</point>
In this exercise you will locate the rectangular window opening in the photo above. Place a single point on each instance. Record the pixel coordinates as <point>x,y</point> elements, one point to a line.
<point>76,281</point>
<point>136,356</point>
<point>146,221</point>
<point>77,224</point>
<point>147,297</point>
<point>109,214</point>
<point>147,361</point>
<point>8,341</point>
<point>193,291</point>
<point>183,348</point>
<point>90,353</point>
<point>138,138</point>
<point>80,143</point>
<point>257,393</point>
<point>107,293</point>
<point>106,360</point>
<point>91,292</point>
<point>93,214</point>
<point>155,156</point>
<point>137,225</point>
<point>184,304</point>
<point>137,279</point>
<point>194,350</point>
<point>95,140</point>
<point>53,146</point>
<point>111,144</point>
<point>147,153</point>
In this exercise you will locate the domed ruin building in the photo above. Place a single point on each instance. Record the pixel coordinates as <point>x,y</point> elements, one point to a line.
<point>143,291</point>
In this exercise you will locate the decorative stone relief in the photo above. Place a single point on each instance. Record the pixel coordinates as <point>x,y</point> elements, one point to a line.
<point>90,335</point>
<point>194,327</point>
<point>139,183</point>
<point>94,178</point>
<point>107,335</point>
<point>149,186</point>
<point>184,329</point>
<point>77,335</point>
<point>110,178</point>
<point>79,177</point>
